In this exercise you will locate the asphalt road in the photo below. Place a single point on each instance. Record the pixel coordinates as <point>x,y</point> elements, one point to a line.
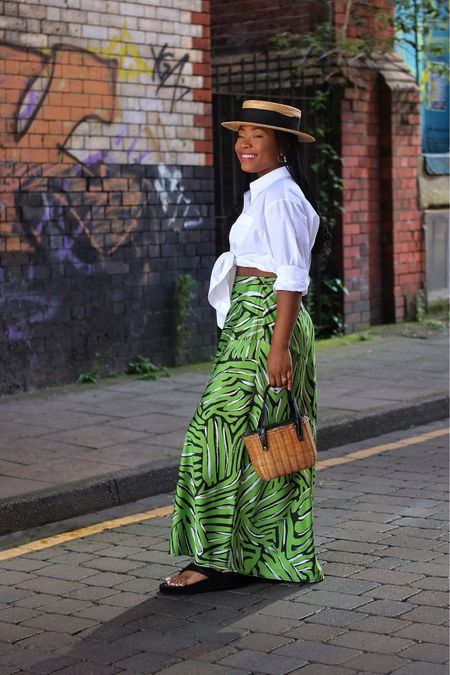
<point>80,596</point>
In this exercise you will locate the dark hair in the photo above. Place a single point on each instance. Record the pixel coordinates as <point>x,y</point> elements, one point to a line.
<point>290,150</point>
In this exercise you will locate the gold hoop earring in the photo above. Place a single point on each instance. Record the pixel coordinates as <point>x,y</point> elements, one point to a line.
<point>281,159</point>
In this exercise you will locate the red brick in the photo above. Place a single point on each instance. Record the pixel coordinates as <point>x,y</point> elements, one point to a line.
<point>200,18</point>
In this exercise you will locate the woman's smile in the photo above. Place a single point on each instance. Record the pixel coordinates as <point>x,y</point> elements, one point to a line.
<point>257,149</point>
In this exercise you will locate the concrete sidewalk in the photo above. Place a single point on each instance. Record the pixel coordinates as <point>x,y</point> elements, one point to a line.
<point>78,449</point>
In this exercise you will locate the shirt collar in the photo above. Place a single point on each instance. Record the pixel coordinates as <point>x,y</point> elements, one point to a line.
<point>260,184</point>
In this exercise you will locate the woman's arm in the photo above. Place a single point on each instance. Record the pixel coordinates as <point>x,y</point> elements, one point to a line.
<point>279,362</point>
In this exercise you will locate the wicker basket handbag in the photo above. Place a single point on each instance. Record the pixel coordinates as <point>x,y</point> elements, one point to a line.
<point>282,448</point>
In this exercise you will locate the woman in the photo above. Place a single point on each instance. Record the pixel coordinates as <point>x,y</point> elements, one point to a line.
<point>234,525</point>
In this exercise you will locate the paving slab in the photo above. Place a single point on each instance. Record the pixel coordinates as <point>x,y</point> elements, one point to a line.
<point>85,610</point>
<point>77,449</point>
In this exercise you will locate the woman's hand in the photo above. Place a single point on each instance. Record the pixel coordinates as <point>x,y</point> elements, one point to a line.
<point>279,366</point>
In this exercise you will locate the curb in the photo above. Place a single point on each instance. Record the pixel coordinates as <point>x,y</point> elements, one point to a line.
<point>102,492</point>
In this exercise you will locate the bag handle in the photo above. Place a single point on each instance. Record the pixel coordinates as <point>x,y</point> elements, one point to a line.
<point>295,414</point>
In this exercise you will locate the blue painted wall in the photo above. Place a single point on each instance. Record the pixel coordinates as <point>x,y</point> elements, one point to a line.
<point>434,88</point>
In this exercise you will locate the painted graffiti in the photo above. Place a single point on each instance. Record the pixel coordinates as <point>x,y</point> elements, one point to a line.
<point>160,65</point>
<point>170,182</point>
<point>64,204</point>
<point>35,132</point>
<point>168,74</point>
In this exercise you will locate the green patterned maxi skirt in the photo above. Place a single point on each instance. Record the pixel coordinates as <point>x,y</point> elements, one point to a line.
<point>225,516</point>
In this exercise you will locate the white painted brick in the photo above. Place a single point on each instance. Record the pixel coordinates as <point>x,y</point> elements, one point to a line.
<point>31,11</point>
<point>157,26</point>
<point>132,9</point>
<point>37,40</point>
<point>167,14</point>
<point>74,16</point>
<point>169,133</point>
<point>174,119</point>
<point>33,26</point>
<point>175,41</point>
<point>109,7</point>
<point>130,22</point>
<point>187,70</point>
<point>93,19</point>
<point>199,159</point>
<point>112,20</point>
<point>145,78</point>
<point>185,42</point>
<point>190,29</point>
<point>150,104</point>
<point>196,56</point>
<point>53,13</point>
<point>99,142</point>
<point>130,89</point>
<point>57,3</point>
<point>13,23</point>
<point>186,133</point>
<point>188,120</point>
<point>184,17</point>
<point>75,29</point>
<point>76,143</point>
<point>97,32</point>
<point>186,157</point>
<point>150,11</point>
<point>139,37</point>
<point>121,157</point>
<point>138,118</point>
<point>147,26</point>
<point>74,41</point>
<point>197,82</point>
<point>100,6</point>
<point>194,5</point>
<point>157,130</point>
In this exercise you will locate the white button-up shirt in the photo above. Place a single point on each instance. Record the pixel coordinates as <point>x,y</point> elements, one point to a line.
<point>275,233</point>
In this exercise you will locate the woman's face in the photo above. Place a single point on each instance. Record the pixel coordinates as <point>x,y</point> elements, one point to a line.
<point>257,149</point>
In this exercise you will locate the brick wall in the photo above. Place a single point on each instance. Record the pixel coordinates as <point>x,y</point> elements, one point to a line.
<point>383,246</point>
<point>106,186</point>
<point>246,25</point>
<point>383,249</point>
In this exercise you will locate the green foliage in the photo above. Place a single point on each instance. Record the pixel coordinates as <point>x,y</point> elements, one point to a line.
<point>420,305</point>
<point>94,374</point>
<point>364,336</point>
<point>421,18</point>
<point>90,377</point>
<point>330,320</point>
<point>185,290</point>
<point>142,366</point>
<point>433,323</point>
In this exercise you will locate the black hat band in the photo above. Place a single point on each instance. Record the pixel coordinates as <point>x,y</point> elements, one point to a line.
<point>259,116</point>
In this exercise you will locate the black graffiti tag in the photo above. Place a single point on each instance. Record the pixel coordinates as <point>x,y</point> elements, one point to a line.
<point>164,70</point>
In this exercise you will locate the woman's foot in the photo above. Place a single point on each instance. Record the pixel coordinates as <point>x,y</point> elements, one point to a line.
<point>187,577</point>
<point>197,579</point>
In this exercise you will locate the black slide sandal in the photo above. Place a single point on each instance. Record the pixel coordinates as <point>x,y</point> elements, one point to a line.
<point>215,581</point>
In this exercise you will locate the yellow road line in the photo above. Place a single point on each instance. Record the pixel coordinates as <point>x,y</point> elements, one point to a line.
<point>376,449</point>
<point>84,532</point>
<point>166,510</point>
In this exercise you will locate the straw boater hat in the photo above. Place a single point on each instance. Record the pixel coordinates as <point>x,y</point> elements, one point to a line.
<point>271,116</point>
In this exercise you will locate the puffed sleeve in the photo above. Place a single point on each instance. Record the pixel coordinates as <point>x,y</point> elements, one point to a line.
<point>289,240</point>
